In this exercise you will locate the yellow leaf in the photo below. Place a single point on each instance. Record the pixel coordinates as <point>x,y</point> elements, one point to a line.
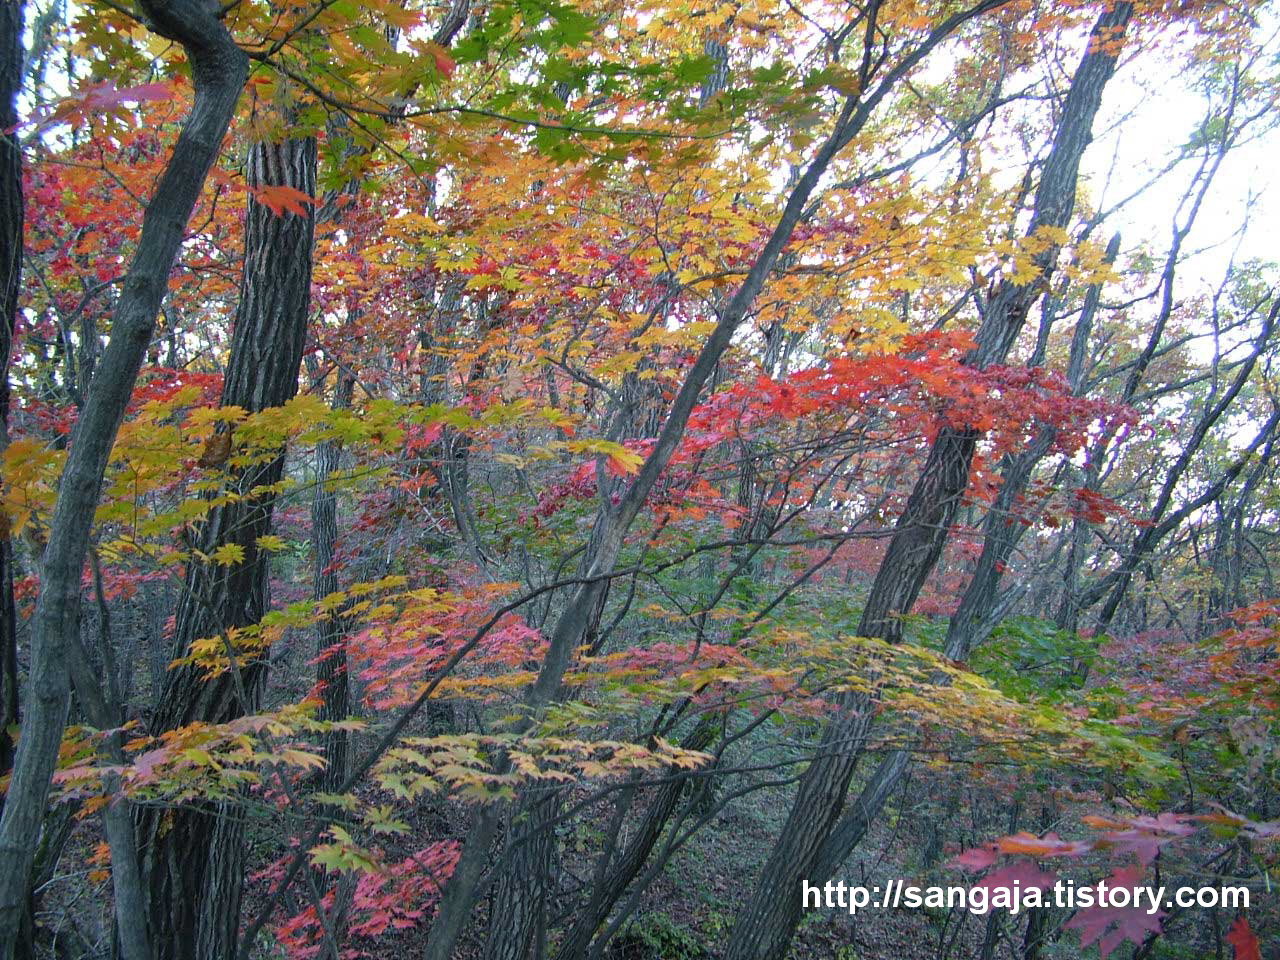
<point>228,555</point>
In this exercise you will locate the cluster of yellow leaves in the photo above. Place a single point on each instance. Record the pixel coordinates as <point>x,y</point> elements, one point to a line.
<point>366,600</point>
<point>483,768</point>
<point>198,761</point>
<point>174,463</point>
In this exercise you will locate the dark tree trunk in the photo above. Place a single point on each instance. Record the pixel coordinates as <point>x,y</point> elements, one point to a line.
<point>767,922</point>
<point>331,670</point>
<point>518,919</point>
<point>11,22</point>
<point>11,224</point>
<point>194,857</point>
<point>219,70</point>
<point>1002,530</point>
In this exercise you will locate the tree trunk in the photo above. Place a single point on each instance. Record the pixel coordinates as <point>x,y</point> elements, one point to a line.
<point>194,857</point>
<point>11,24</point>
<point>219,70</point>
<point>979,608</point>
<point>518,919</point>
<point>767,922</point>
<point>614,521</point>
<point>331,669</point>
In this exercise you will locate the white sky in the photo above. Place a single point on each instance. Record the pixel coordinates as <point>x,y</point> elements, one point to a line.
<point>1162,112</point>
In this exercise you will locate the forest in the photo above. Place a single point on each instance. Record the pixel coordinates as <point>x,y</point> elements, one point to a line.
<point>639,480</point>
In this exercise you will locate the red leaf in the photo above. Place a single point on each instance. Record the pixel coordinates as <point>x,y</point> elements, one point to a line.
<point>1023,875</point>
<point>1243,939</point>
<point>444,63</point>
<point>103,96</point>
<point>1112,926</point>
<point>978,858</point>
<point>96,98</point>
<point>1050,845</point>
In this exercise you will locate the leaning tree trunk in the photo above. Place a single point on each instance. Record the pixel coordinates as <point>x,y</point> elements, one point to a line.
<point>615,876</point>
<point>767,922</point>
<point>194,856</point>
<point>979,605</point>
<point>219,70</point>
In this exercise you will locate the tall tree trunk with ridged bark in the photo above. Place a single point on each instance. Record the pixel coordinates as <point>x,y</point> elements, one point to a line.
<point>768,921</point>
<point>11,20</point>
<point>11,221</point>
<point>331,666</point>
<point>219,70</point>
<point>194,856</point>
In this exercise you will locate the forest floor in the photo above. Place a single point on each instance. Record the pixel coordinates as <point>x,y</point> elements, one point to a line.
<point>687,913</point>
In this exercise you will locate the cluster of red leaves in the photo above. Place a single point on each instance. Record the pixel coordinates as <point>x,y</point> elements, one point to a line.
<point>398,896</point>
<point>924,386</point>
<point>1170,679</point>
<point>395,657</point>
<point>1092,507</point>
<point>580,485</point>
<point>1142,837</point>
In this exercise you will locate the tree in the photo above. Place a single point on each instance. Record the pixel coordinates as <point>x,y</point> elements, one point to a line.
<point>675,441</point>
<point>767,923</point>
<point>218,73</point>
<point>196,912</point>
<point>11,255</point>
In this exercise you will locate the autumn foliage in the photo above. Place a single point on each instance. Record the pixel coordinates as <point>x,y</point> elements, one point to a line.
<point>640,352</point>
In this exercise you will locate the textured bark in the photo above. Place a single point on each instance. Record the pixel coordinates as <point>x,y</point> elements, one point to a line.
<point>219,70</point>
<point>331,670</point>
<point>518,917</point>
<point>11,22</point>
<point>11,224</point>
<point>979,607</point>
<point>193,857</point>
<point>767,922</point>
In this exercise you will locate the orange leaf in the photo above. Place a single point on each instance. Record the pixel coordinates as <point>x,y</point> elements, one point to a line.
<point>278,198</point>
<point>1244,940</point>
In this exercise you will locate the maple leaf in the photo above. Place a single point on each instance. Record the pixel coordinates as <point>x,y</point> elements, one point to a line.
<point>1112,926</point>
<point>623,462</point>
<point>98,98</point>
<point>445,64</point>
<point>1143,844</point>
<point>216,450</point>
<point>975,859</point>
<point>1050,845</point>
<point>1244,940</point>
<point>279,198</point>
<point>228,555</point>
<point>1021,875</point>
